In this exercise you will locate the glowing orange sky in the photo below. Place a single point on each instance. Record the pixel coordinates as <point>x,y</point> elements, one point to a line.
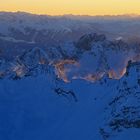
<point>82,7</point>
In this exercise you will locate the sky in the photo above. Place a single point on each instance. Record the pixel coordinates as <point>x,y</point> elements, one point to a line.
<point>76,7</point>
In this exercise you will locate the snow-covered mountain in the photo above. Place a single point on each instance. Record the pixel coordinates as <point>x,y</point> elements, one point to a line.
<point>90,58</point>
<point>84,87</point>
<point>21,31</point>
<point>91,86</point>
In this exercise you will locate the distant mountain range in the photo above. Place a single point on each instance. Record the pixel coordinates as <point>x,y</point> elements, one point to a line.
<point>21,27</point>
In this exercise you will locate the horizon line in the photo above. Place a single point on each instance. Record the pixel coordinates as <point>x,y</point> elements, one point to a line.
<point>70,14</point>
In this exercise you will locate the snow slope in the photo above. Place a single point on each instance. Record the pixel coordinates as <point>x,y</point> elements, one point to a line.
<point>45,107</point>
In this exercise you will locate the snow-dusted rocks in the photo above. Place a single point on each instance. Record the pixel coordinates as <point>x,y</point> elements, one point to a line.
<point>74,61</point>
<point>123,109</point>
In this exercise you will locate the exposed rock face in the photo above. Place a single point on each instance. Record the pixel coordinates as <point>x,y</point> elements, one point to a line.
<point>33,58</point>
<point>31,62</point>
<point>86,41</point>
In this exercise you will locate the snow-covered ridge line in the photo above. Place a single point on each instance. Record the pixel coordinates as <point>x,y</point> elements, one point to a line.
<point>92,57</point>
<point>11,39</point>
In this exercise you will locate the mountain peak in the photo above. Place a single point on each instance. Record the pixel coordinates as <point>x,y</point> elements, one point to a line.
<point>86,40</point>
